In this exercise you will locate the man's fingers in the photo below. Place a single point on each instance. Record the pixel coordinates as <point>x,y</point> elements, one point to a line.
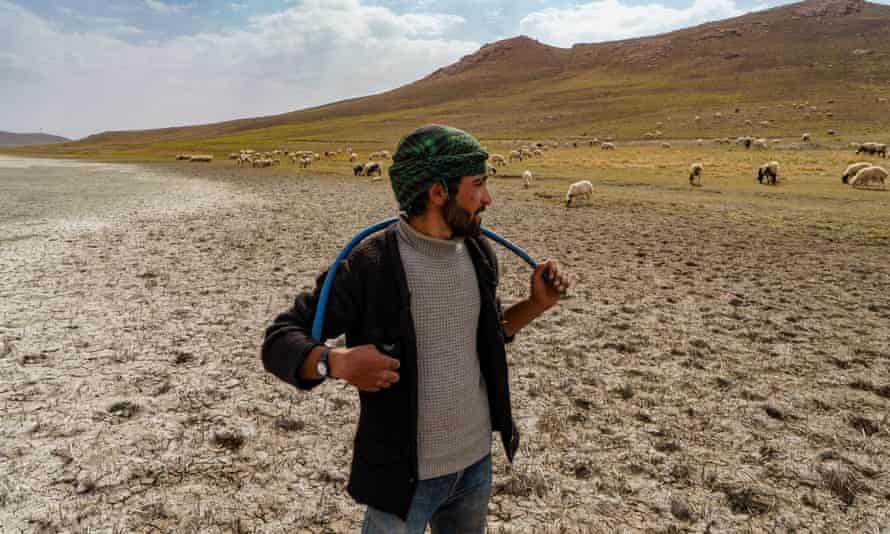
<point>393,363</point>
<point>390,377</point>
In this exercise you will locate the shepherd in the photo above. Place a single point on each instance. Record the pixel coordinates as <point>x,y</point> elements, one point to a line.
<point>425,343</point>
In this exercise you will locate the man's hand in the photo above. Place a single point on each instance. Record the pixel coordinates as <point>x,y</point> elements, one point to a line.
<point>544,294</point>
<point>364,367</point>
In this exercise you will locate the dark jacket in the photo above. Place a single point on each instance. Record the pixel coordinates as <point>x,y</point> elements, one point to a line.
<point>370,302</point>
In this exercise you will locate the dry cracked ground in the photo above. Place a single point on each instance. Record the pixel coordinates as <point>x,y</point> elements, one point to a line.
<point>702,376</point>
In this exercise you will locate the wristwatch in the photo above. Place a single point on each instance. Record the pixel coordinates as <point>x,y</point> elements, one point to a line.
<point>321,366</point>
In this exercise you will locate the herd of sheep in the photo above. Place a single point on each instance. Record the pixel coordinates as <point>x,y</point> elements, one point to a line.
<point>862,174</point>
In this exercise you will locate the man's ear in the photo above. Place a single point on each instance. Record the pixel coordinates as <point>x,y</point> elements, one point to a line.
<point>438,195</point>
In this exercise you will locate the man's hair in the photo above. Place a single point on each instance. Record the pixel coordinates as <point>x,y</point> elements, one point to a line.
<point>421,202</point>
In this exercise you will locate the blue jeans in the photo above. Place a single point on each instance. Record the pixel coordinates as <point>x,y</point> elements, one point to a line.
<point>450,504</point>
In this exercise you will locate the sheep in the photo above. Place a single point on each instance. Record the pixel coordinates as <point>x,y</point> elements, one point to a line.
<point>768,173</point>
<point>881,100</point>
<point>538,154</point>
<point>262,162</point>
<point>852,169</point>
<point>759,143</point>
<point>305,161</point>
<point>695,172</point>
<point>353,157</point>
<point>514,154</point>
<point>805,137</point>
<point>665,145</point>
<point>879,149</point>
<point>869,176</point>
<point>234,155</point>
<point>699,141</point>
<point>204,158</point>
<point>830,132</point>
<point>357,169</point>
<point>608,146</point>
<point>183,157</point>
<point>527,178</point>
<point>498,160</point>
<point>583,189</point>
<point>372,168</point>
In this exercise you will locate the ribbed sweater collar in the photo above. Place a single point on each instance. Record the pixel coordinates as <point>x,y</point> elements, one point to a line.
<point>426,245</point>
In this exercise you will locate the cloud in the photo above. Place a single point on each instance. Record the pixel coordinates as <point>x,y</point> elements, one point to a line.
<point>165,8</point>
<point>237,7</point>
<point>76,83</point>
<point>608,20</point>
<point>104,25</point>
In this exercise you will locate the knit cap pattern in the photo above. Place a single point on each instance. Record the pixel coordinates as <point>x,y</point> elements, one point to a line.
<point>430,154</point>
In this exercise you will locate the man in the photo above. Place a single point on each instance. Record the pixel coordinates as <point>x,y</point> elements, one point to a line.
<point>425,338</point>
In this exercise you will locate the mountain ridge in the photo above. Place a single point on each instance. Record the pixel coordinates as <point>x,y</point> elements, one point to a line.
<point>837,50</point>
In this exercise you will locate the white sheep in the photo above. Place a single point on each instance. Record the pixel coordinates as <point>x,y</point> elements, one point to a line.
<point>353,157</point>
<point>607,146</point>
<point>759,143</point>
<point>869,176</point>
<point>527,179</point>
<point>805,137</point>
<point>768,172</point>
<point>665,145</point>
<point>852,169</point>
<point>204,158</point>
<point>498,160</point>
<point>582,189</point>
<point>514,154</point>
<point>695,172</point>
<point>538,153</point>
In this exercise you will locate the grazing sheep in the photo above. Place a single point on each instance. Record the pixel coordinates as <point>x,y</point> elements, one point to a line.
<point>538,153</point>
<point>305,161</point>
<point>357,169</point>
<point>759,143</point>
<point>699,142</point>
<point>514,154</point>
<point>262,162</point>
<point>183,157</point>
<point>882,100</point>
<point>527,179</point>
<point>608,146</point>
<point>830,132</point>
<point>204,158</point>
<point>852,169</point>
<point>353,157</point>
<point>879,149</point>
<point>768,173</point>
<point>665,145</point>
<point>582,189</point>
<point>805,137</point>
<point>498,160</point>
<point>695,172</point>
<point>234,155</point>
<point>870,176</point>
<point>372,168</point>
<point>747,141</point>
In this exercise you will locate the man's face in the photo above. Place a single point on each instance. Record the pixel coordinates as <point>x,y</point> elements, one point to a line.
<point>462,210</point>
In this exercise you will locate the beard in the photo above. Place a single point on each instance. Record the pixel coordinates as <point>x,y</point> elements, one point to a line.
<point>462,222</point>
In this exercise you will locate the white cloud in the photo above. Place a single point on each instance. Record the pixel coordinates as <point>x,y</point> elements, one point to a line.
<point>165,8</point>
<point>76,83</point>
<point>607,20</point>
<point>237,7</point>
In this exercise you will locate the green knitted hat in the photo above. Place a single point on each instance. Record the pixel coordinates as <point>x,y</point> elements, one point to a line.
<point>430,154</point>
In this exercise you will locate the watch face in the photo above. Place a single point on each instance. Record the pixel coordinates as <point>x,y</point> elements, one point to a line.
<point>321,368</point>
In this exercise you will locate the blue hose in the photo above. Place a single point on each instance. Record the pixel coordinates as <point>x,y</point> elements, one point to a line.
<point>322,306</point>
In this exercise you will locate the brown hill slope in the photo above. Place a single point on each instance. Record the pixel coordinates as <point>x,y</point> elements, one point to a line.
<point>16,139</point>
<point>832,52</point>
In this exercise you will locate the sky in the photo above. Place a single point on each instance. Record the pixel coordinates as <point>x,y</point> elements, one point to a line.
<point>79,67</point>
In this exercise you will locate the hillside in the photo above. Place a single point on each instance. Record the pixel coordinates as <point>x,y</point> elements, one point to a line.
<point>832,55</point>
<point>17,139</point>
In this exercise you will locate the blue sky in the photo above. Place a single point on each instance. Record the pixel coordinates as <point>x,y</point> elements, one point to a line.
<point>77,67</point>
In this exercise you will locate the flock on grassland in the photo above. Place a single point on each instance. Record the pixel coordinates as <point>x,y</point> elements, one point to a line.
<point>861,174</point>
